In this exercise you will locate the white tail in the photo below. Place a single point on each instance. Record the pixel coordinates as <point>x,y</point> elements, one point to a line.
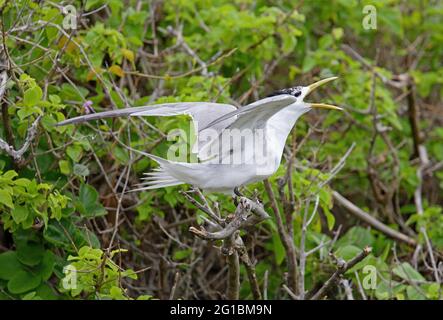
<point>158,177</point>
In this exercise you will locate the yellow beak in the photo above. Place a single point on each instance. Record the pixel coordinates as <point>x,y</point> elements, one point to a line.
<point>314,86</point>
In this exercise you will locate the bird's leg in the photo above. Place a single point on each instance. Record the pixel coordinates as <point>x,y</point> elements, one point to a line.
<point>237,192</point>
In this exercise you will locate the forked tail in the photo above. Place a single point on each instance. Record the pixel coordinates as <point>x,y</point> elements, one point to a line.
<point>157,178</point>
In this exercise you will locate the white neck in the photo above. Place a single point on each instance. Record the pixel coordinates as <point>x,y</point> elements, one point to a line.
<point>278,128</point>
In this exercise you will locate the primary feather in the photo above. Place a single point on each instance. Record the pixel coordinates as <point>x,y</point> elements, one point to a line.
<point>202,113</point>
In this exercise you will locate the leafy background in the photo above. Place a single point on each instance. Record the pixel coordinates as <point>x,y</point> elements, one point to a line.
<point>63,200</point>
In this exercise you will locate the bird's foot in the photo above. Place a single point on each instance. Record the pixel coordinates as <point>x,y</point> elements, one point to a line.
<point>237,192</point>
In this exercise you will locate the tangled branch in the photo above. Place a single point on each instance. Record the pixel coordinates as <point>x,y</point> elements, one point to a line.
<point>247,214</point>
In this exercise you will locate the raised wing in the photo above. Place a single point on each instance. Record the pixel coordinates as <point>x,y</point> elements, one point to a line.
<point>262,109</point>
<point>202,113</point>
<point>244,121</point>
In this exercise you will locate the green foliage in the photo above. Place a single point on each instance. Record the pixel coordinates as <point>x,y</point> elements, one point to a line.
<point>87,203</point>
<point>432,221</point>
<point>61,203</point>
<point>96,275</point>
<point>27,269</point>
<point>24,202</point>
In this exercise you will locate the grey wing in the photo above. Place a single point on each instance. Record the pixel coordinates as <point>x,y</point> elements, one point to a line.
<point>202,114</point>
<point>260,110</point>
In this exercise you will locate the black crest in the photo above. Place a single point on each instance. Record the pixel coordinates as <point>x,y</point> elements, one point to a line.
<point>294,91</point>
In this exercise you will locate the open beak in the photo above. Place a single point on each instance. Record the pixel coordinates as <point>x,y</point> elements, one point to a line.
<point>314,86</point>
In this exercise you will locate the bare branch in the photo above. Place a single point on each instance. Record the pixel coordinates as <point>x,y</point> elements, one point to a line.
<point>174,287</point>
<point>203,207</point>
<point>233,290</point>
<point>362,215</point>
<point>241,219</point>
<point>348,289</point>
<point>342,267</point>
<point>286,238</point>
<point>17,155</point>
<point>250,268</point>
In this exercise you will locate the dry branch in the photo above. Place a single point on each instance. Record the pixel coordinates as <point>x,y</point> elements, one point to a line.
<point>242,219</point>
<point>287,239</point>
<point>233,290</point>
<point>250,269</point>
<point>362,215</point>
<point>342,267</point>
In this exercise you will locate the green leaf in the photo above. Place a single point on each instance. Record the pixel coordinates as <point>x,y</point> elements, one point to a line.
<point>23,182</point>
<point>74,152</point>
<point>87,203</point>
<point>6,199</point>
<point>10,174</point>
<point>391,18</point>
<point>130,274</point>
<point>9,265</point>
<point>20,213</point>
<point>59,233</point>
<point>65,167</point>
<point>30,253</point>
<point>414,293</point>
<point>45,292</point>
<point>433,290</point>
<point>27,111</point>
<point>182,254</point>
<point>289,43</point>
<point>308,63</point>
<point>121,155</point>
<point>337,33</point>
<point>23,281</point>
<point>31,296</point>
<point>32,96</point>
<point>383,291</point>
<point>407,272</point>
<point>348,252</point>
<point>88,195</point>
<point>88,237</point>
<point>66,235</point>
<point>357,236</point>
<point>116,293</point>
<point>46,266</point>
<point>81,170</point>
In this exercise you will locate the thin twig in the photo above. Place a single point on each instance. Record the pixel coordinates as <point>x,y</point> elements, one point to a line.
<point>174,287</point>
<point>362,215</point>
<point>342,267</point>
<point>287,240</point>
<point>250,269</point>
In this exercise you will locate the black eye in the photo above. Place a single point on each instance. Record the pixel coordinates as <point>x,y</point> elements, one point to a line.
<point>297,93</point>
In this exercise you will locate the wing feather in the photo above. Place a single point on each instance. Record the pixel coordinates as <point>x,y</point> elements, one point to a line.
<point>251,117</point>
<point>201,112</point>
<point>264,109</point>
